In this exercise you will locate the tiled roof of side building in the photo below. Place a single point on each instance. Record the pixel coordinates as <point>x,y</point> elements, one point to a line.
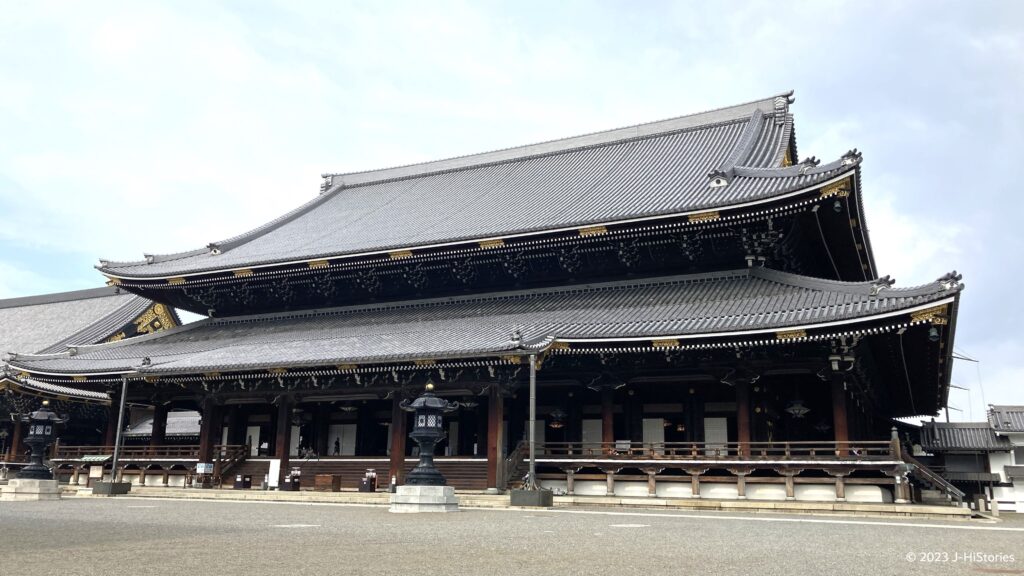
<point>961,436</point>
<point>651,170</point>
<point>1006,418</point>
<point>691,306</point>
<point>48,322</point>
<point>184,423</point>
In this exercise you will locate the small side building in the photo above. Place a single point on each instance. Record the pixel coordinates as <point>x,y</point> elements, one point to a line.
<point>974,457</point>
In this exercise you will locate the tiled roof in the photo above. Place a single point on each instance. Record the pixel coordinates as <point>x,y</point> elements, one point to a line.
<point>49,322</point>
<point>178,424</point>
<point>1006,418</point>
<point>655,169</point>
<point>961,436</point>
<point>483,325</point>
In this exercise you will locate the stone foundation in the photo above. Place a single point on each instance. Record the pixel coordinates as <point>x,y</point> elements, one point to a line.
<point>25,489</point>
<point>410,499</point>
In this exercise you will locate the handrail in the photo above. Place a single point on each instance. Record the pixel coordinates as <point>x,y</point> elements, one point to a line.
<point>129,452</point>
<point>512,463</point>
<point>851,450</point>
<point>929,475</point>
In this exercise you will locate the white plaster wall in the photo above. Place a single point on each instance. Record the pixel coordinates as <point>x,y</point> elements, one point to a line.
<point>871,494</point>
<point>590,488</point>
<point>997,460</point>
<point>1010,498</point>
<point>674,490</point>
<point>718,491</point>
<point>723,491</point>
<point>815,492</point>
<point>766,492</point>
<point>631,489</point>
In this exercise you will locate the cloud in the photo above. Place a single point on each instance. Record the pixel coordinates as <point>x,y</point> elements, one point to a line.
<point>161,126</point>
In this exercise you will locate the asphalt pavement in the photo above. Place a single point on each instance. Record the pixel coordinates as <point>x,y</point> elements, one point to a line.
<point>135,536</point>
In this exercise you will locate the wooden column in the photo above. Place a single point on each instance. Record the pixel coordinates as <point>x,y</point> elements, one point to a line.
<point>495,421</point>
<point>236,425</point>
<point>15,448</point>
<point>365,431</point>
<point>608,418</point>
<point>283,437</point>
<point>839,420</point>
<point>322,425</point>
<point>743,418</point>
<point>207,431</point>
<point>111,433</point>
<point>634,418</point>
<point>159,425</point>
<point>399,418</point>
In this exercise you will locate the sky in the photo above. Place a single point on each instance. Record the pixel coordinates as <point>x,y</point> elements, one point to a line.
<point>131,127</point>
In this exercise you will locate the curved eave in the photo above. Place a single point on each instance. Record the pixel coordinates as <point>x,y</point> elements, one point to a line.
<point>785,334</point>
<point>53,392</point>
<point>736,210</point>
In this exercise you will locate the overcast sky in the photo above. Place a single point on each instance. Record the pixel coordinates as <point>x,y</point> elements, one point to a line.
<point>161,126</point>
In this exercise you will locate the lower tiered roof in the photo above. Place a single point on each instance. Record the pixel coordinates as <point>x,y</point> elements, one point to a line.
<point>752,305</point>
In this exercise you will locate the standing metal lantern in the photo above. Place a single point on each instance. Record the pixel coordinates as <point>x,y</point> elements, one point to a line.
<point>42,431</point>
<point>427,431</point>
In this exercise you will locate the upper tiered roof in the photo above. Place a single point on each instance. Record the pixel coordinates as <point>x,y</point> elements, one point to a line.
<point>729,157</point>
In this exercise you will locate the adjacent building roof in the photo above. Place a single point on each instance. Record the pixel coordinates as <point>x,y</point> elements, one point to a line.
<point>1006,418</point>
<point>178,424</point>
<point>692,306</point>
<point>51,322</point>
<point>961,436</point>
<point>726,157</point>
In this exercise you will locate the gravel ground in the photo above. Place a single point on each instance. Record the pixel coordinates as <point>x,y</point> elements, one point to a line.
<point>138,536</point>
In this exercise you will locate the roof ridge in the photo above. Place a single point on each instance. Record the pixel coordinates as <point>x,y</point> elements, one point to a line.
<point>55,297</point>
<point>713,116</point>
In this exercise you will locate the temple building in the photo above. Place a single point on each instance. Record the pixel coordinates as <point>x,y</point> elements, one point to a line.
<point>54,322</point>
<point>700,307</point>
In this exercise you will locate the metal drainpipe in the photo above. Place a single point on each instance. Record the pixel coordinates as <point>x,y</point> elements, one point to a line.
<point>120,424</point>
<point>533,423</point>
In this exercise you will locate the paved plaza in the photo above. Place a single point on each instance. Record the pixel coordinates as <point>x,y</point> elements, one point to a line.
<point>142,536</point>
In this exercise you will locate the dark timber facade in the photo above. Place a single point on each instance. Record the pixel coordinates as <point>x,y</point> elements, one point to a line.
<point>702,304</point>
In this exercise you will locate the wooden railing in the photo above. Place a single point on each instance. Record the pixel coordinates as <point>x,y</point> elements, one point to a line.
<point>227,454</point>
<point>513,464</point>
<point>185,452</point>
<point>861,450</point>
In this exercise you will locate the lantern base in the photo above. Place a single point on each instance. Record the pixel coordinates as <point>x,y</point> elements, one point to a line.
<point>25,489</point>
<point>411,499</point>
